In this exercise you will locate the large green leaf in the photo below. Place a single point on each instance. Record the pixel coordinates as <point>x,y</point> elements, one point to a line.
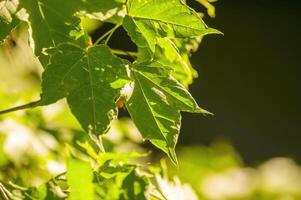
<point>155,105</point>
<point>150,19</point>
<point>53,22</point>
<point>90,79</point>
<point>8,18</point>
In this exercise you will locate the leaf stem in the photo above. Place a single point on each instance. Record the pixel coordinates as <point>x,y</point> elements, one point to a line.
<point>59,175</point>
<point>17,186</point>
<point>22,107</point>
<point>112,32</point>
<point>124,53</point>
<point>109,34</point>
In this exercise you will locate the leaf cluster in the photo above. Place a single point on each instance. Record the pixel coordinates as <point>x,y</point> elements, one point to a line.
<point>94,79</point>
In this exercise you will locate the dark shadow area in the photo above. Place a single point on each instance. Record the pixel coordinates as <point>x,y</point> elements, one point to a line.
<point>250,80</point>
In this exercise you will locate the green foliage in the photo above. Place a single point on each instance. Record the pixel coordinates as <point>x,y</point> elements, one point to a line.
<point>156,103</point>
<point>79,174</point>
<point>89,83</point>
<point>44,153</point>
<point>92,79</point>
<point>168,55</point>
<point>150,83</point>
<point>149,20</point>
<point>51,24</point>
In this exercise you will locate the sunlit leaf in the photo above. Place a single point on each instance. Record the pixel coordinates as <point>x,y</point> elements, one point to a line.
<point>150,19</point>
<point>53,22</point>
<point>80,177</point>
<point>90,79</point>
<point>167,54</point>
<point>155,105</point>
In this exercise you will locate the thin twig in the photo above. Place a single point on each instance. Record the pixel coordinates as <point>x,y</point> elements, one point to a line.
<point>102,37</point>
<point>59,175</point>
<point>112,32</point>
<point>18,187</point>
<point>5,193</point>
<point>109,34</point>
<point>22,107</point>
<point>124,53</point>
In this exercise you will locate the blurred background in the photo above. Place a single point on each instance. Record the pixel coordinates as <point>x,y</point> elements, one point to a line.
<point>250,80</point>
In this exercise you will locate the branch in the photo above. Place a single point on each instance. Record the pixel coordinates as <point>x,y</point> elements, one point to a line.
<point>22,107</point>
<point>112,32</point>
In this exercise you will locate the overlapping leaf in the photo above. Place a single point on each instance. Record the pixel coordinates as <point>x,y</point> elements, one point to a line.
<point>52,23</point>
<point>150,19</point>
<point>117,176</point>
<point>167,54</point>
<point>90,79</point>
<point>155,105</point>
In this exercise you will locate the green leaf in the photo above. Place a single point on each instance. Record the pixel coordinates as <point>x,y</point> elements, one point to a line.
<point>8,18</point>
<point>121,182</point>
<point>167,54</point>
<point>90,79</point>
<point>114,158</point>
<point>122,178</point>
<point>52,23</point>
<point>80,179</point>
<point>155,105</point>
<point>107,190</point>
<point>150,19</point>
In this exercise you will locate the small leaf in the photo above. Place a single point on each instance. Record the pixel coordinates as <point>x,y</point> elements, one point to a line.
<point>155,105</point>
<point>90,79</point>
